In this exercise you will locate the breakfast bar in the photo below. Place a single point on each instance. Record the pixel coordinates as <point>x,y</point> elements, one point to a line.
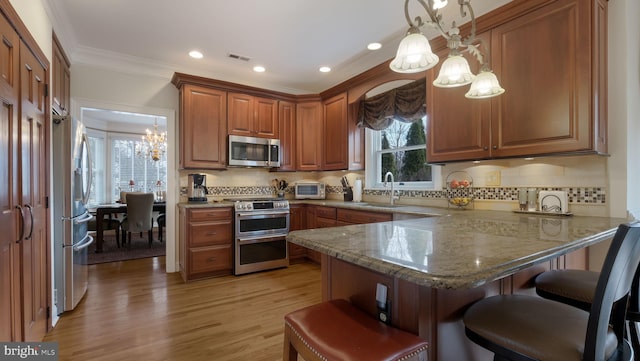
<point>435,267</point>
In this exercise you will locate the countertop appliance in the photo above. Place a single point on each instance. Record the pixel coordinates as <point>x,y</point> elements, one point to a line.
<point>310,190</point>
<point>197,188</point>
<point>253,152</point>
<point>261,226</point>
<point>72,174</point>
<point>554,201</point>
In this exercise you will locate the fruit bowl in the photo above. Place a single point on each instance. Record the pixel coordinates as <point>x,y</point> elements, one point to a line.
<point>460,201</point>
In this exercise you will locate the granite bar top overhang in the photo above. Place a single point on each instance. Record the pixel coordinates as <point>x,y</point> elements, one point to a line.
<point>461,250</point>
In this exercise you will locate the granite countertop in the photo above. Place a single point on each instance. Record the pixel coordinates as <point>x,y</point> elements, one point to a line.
<point>463,249</point>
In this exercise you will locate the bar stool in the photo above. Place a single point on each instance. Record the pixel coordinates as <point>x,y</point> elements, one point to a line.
<point>577,288</point>
<point>518,327</point>
<point>337,331</point>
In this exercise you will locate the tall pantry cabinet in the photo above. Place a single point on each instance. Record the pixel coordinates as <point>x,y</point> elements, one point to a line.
<point>24,246</point>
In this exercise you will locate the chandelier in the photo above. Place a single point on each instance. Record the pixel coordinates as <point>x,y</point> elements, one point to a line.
<point>153,145</point>
<point>415,55</point>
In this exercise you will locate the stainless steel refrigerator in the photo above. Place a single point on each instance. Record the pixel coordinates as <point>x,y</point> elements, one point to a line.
<point>72,179</point>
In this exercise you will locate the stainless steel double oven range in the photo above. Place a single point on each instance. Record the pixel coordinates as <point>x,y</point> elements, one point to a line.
<point>261,226</point>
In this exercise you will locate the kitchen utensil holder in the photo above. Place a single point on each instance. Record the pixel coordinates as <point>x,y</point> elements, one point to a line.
<point>348,194</point>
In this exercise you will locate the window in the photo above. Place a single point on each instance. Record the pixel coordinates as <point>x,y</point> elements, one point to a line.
<point>118,150</point>
<point>401,150</point>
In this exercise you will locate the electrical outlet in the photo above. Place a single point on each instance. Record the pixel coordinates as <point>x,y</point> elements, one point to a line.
<point>492,179</point>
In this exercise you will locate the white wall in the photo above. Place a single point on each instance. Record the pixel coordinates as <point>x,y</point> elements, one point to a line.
<point>35,18</point>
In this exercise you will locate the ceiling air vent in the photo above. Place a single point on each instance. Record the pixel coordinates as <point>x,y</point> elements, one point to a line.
<point>239,57</point>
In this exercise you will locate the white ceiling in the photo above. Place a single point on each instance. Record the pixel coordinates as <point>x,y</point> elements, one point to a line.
<point>290,38</point>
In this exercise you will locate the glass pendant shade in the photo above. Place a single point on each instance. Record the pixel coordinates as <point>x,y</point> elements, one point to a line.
<point>414,54</point>
<point>454,72</point>
<point>485,85</point>
<point>439,4</point>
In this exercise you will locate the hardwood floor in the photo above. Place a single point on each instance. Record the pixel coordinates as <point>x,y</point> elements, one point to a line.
<point>135,311</point>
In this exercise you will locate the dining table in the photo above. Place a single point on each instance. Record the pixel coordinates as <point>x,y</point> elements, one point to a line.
<point>110,209</point>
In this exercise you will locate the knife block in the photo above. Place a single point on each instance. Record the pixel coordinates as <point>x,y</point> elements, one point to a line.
<point>348,194</point>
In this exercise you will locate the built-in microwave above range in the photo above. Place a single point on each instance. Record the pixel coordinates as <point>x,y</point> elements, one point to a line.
<point>253,152</point>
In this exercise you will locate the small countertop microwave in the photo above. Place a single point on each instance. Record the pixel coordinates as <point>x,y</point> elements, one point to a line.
<point>253,152</point>
<point>310,190</point>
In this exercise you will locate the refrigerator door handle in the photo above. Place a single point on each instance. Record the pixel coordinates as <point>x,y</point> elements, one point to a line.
<point>83,244</point>
<point>28,206</point>
<point>21,222</point>
<point>85,141</point>
<point>85,217</point>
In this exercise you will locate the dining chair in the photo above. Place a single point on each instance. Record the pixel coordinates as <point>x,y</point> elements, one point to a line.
<point>139,217</point>
<point>162,223</point>
<point>521,327</point>
<point>108,224</point>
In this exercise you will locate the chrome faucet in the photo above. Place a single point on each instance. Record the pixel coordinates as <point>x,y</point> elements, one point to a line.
<point>393,197</point>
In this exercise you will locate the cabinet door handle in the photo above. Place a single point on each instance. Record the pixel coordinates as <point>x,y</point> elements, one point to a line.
<point>28,206</point>
<point>21,223</point>
<point>485,148</point>
<point>212,233</point>
<point>495,147</point>
<point>211,259</point>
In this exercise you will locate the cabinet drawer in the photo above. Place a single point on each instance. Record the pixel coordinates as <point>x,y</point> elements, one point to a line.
<point>210,259</point>
<point>322,222</point>
<point>208,214</point>
<point>209,233</point>
<point>359,217</point>
<point>326,212</point>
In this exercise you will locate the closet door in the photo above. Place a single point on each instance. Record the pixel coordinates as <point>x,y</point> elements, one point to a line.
<point>33,179</point>
<point>9,215</point>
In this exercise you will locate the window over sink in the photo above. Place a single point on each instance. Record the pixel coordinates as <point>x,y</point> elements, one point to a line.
<point>401,150</point>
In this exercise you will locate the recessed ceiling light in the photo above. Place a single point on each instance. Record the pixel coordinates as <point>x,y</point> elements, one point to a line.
<point>259,69</point>
<point>195,54</point>
<point>325,69</point>
<point>374,46</point>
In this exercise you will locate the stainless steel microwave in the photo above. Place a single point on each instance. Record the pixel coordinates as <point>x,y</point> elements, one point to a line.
<point>310,190</point>
<point>253,152</point>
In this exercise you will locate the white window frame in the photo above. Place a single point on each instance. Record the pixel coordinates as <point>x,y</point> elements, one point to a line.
<point>374,166</point>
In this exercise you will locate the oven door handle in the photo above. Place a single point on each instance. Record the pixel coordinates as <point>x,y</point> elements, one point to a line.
<point>260,239</point>
<point>259,214</point>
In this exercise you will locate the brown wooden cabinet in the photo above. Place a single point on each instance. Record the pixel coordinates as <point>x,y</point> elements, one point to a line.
<point>309,139</point>
<point>206,242</point>
<point>252,116</point>
<point>550,62</point>
<point>297,221</point>
<point>203,127</point>
<point>25,251</point>
<point>287,124</point>
<point>61,79</point>
<point>350,216</point>
<point>335,155</point>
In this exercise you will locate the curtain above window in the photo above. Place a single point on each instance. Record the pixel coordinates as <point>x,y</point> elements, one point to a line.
<point>405,103</point>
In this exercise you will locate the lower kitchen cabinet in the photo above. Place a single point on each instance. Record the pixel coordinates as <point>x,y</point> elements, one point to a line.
<point>297,221</point>
<point>206,238</point>
<point>350,216</point>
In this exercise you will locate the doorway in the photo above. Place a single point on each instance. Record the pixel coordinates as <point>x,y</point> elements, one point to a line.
<point>142,118</point>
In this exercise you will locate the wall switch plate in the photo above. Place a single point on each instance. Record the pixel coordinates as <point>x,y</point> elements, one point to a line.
<point>492,178</point>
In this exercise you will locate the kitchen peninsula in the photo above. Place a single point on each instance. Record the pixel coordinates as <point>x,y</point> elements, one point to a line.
<point>436,267</point>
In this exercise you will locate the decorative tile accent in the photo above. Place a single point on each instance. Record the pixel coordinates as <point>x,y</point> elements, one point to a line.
<point>577,195</point>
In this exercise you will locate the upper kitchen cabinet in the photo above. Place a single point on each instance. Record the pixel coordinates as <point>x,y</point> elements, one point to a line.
<point>203,127</point>
<point>336,149</point>
<point>61,82</point>
<point>551,59</point>
<point>287,124</point>
<point>252,116</point>
<point>309,134</point>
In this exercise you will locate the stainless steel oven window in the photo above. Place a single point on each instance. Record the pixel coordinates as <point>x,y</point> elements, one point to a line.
<point>258,252</point>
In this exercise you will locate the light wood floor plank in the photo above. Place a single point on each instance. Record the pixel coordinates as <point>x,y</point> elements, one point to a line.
<point>135,311</point>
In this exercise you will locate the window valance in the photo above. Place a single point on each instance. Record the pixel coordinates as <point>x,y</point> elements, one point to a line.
<point>405,103</point>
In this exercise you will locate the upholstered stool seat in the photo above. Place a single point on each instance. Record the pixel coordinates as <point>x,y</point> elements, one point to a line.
<point>529,328</point>
<point>337,331</point>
